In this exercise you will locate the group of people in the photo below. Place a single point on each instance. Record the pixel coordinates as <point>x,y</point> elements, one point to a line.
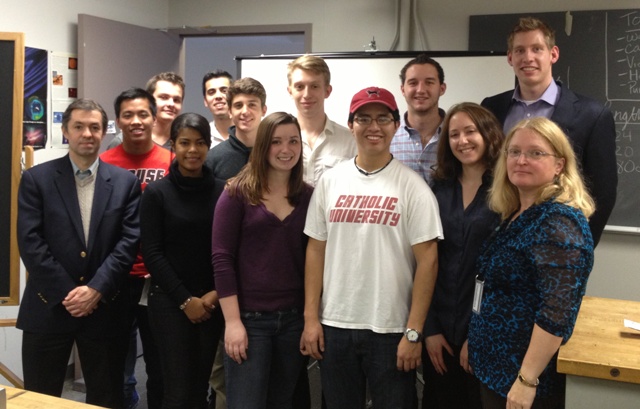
<point>428,238</point>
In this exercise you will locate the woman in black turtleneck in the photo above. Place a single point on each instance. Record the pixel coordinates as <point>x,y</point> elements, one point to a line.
<point>176,215</point>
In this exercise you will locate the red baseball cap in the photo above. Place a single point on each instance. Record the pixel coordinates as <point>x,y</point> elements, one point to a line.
<point>372,95</point>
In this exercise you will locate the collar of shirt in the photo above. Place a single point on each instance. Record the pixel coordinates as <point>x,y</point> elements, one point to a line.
<point>92,169</point>
<point>521,109</point>
<point>412,133</point>
<point>550,95</point>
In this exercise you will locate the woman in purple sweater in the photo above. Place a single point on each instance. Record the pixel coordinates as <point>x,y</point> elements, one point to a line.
<point>258,251</point>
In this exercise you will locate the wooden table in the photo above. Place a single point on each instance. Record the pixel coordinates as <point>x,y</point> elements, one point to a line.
<point>21,399</point>
<point>602,358</point>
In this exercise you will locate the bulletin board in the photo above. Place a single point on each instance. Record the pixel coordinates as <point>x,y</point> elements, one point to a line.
<point>11,111</point>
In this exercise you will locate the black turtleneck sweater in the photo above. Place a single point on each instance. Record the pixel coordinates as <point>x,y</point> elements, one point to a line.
<point>175,220</point>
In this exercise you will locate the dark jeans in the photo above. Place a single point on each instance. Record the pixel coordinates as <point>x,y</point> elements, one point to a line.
<point>45,358</point>
<point>354,359</point>
<point>302,393</point>
<point>492,400</point>
<point>139,321</point>
<point>186,351</point>
<point>455,389</point>
<point>268,377</point>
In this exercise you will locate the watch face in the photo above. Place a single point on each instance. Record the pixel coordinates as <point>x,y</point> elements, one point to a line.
<point>412,335</point>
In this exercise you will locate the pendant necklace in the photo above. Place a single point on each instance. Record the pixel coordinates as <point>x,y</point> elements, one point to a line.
<point>364,172</point>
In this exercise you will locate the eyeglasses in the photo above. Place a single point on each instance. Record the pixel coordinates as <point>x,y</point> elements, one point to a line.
<point>367,120</point>
<point>531,155</point>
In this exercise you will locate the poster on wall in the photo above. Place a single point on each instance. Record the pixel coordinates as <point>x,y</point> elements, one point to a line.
<point>64,90</point>
<point>35,132</point>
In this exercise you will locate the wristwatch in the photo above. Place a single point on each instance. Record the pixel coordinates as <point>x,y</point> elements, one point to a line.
<point>413,335</point>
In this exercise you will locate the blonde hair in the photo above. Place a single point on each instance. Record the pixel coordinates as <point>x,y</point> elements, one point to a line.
<point>527,24</point>
<point>567,188</point>
<point>309,63</point>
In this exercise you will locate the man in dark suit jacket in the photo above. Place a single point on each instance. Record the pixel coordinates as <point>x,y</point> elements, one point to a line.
<point>588,124</point>
<point>78,233</point>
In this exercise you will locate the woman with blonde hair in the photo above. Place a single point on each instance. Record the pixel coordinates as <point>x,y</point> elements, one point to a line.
<point>533,272</point>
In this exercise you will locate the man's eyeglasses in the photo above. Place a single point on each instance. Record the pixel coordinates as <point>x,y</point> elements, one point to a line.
<point>367,120</point>
<point>532,155</point>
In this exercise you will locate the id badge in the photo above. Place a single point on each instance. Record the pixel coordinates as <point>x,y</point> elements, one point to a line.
<point>477,295</point>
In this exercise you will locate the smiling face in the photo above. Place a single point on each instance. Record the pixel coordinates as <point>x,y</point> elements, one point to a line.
<point>465,140</point>
<point>529,175</point>
<point>422,88</point>
<point>308,90</point>
<point>84,133</point>
<point>169,100</point>
<point>215,97</point>
<point>246,113</point>
<point>285,148</point>
<point>373,140</point>
<point>136,121</point>
<point>191,151</point>
<point>532,59</point>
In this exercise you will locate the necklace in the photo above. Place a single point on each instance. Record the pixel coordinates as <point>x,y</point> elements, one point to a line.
<point>364,172</point>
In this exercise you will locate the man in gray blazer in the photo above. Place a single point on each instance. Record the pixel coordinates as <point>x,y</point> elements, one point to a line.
<point>78,233</point>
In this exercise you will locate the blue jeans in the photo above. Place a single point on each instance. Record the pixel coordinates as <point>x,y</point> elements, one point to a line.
<point>268,377</point>
<point>354,358</point>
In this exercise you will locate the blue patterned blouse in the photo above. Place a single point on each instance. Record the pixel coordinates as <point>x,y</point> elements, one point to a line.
<point>535,271</point>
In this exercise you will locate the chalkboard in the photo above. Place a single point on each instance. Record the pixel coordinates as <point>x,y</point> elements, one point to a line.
<point>600,58</point>
<point>11,91</point>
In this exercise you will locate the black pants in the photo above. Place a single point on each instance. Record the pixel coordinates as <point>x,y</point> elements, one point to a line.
<point>45,358</point>
<point>139,317</point>
<point>455,389</point>
<point>186,351</point>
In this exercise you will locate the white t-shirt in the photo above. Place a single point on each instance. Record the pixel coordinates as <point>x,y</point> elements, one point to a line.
<point>334,145</point>
<point>370,224</point>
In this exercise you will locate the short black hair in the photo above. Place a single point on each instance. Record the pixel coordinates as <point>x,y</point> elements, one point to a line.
<point>214,74</point>
<point>134,93</point>
<point>194,121</point>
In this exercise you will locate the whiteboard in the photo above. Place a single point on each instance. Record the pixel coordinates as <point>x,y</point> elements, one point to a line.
<point>468,78</point>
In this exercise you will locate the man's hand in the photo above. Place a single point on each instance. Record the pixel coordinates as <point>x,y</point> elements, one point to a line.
<point>312,339</point>
<point>409,355</point>
<point>81,301</point>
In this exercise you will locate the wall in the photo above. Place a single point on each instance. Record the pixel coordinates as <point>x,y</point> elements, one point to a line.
<point>338,25</point>
<point>52,25</point>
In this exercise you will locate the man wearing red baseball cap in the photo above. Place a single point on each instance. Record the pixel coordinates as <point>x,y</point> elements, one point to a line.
<point>371,265</point>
